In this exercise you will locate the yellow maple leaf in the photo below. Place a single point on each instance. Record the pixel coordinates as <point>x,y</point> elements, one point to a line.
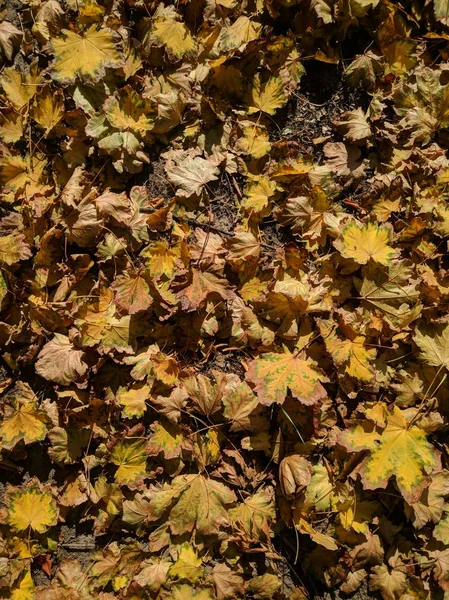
<point>322,539</point>
<point>119,582</point>
<point>48,109</point>
<point>3,294</point>
<point>153,363</point>
<point>24,590</point>
<point>19,172</point>
<point>240,33</point>
<point>133,61</point>
<point>187,592</point>
<point>134,400</point>
<point>161,258</point>
<point>170,32</point>
<point>253,515</point>
<point>267,97</point>
<point>366,242</point>
<point>353,354</point>
<point>401,56</point>
<point>254,141</point>
<point>85,56</point>
<point>131,458</point>
<point>258,194</point>
<point>390,582</point>
<point>22,420</point>
<point>90,11</point>
<point>188,565</point>
<point>11,127</point>
<point>31,509</point>
<point>165,368</point>
<point>274,374</point>
<point>20,89</point>
<point>357,515</point>
<point>434,345</point>
<point>320,494</point>
<point>206,448</point>
<point>167,439</point>
<point>130,111</point>
<point>99,325</point>
<point>401,450</point>
<point>238,407</point>
<point>201,505</point>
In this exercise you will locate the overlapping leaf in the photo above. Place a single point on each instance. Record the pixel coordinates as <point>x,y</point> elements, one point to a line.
<point>223,299</point>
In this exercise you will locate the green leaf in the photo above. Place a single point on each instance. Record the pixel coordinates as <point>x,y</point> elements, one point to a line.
<point>441,11</point>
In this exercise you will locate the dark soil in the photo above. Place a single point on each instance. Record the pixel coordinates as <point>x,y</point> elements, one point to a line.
<point>156,181</point>
<point>274,235</point>
<point>322,96</point>
<point>227,363</point>
<point>223,205</point>
<point>362,593</point>
<point>10,8</point>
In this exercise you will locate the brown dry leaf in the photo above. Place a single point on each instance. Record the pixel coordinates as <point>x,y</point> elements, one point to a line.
<point>354,126</point>
<point>10,39</point>
<point>190,175</point>
<point>228,583</point>
<point>390,582</point>
<point>61,362</point>
<point>200,286</point>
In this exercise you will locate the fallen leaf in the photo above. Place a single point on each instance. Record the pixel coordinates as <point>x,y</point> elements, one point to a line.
<point>60,362</point>
<point>273,375</point>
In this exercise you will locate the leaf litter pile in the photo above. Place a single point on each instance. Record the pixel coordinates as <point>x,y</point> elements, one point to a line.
<point>224,299</point>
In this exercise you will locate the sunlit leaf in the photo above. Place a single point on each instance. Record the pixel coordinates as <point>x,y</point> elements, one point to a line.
<point>168,30</point>
<point>85,56</point>
<point>201,506</point>
<point>130,456</point>
<point>23,419</point>
<point>31,509</point>
<point>59,361</point>
<point>20,89</point>
<point>273,375</point>
<point>190,175</point>
<point>401,450</point>
<point>267,97</point>
<point>188,565</point>
<point>48,110</point>
<point>366,242</point>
